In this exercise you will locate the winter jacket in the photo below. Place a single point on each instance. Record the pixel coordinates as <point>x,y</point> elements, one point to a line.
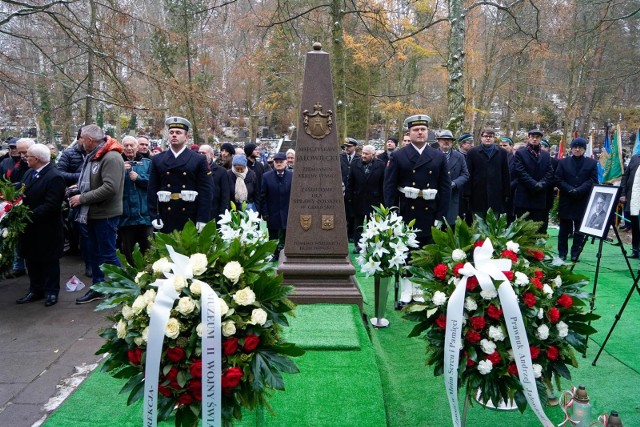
<point>70,163</point>
<point>135,210</point>
<point>106,182</point>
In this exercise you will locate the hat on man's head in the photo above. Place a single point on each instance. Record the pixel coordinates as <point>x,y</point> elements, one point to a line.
<point>279,156</point>
<point>545,143</point>
<point>194,147</point>
<point>12,142</point>
<point>249,148</point>
<point>178,123</point>
<point>535,132</point>
<point>351,142</point>
<point>445,134</point>
<point>394,139</point>
<point>228,147</point>
<point>465,137</point>
<point>416,120</point>
<point>507,140</point>
<point>239,160</point>
<point>579,142</point>
<point>157,149</point>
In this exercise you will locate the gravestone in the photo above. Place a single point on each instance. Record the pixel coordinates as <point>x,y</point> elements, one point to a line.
<point>315,259</point>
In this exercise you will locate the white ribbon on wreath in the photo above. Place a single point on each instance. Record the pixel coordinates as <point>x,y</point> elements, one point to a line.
<point>485,269</point>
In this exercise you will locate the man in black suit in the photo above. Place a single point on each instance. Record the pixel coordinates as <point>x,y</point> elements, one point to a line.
<point>458,174</point>
<point>346,160</point>
<point>489,179</point>
<point>534,175</point>
<point>41,243</point>
<point>220,199</point>
<point>275,195</point>
<point>364,188</point>
<point>174,176</point>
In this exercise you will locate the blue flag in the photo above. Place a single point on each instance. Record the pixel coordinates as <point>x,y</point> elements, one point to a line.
<point>636,146</point>
<point>604,155</point>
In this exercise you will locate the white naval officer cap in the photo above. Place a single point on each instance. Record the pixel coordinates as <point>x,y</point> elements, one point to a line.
<point>416,120</point>
<point>176,122</point>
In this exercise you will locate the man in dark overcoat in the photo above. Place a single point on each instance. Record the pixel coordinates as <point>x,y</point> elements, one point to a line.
<point>275,195</point>
<point>41,243</point>
<point>364,188</point>
<point>489,179</point>
<point>533,174</point>
<point>176,171</point>
<point>626,184</point>
<point>458,173</point>
<point>220,197</point>
<point>575,177</point>
<point>346,160</point>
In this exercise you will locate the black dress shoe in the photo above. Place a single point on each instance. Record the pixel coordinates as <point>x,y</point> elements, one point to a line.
<point>90,296</point>
<point>51,300</point>
<point>15,273</point>
<point>88,272</point>
<point>634,255</point>
<point>30,297</point>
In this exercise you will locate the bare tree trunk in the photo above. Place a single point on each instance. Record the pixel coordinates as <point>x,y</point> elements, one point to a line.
<point>88,101</point>
<point>455,67</point>
<point>340,84</point>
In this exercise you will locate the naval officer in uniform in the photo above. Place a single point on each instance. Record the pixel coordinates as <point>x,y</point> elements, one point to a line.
<point>180,186</point>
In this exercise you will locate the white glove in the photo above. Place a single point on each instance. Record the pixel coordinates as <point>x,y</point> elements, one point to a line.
<point>157,224</point>
<point>200,226</point>
<point>437,223</point>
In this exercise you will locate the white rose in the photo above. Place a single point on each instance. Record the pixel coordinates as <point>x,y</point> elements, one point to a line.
<point>150,296</point>
<point>224,308</point>
<point>138,276</point>
<point>186,305</point>
<point>5,233</point>
<point>121,329</point>
<point>138,341</point>
<point>563,329</point>
<point>557,281</point>
<point>127,312</point>
<point>244,296</point>
<point>540,313</point>
<point>537,370</point>
<point>228,328</point>
<point>458,255</point>
<point>489,293</point>
<point>543,332</point>
<point>496,334</point>
<point>179,283</point>
<point>470,304</point>
<point>521,279</point>
<point>145,334</point>
<point>488,346</point>
<point>162,266</point>
<point>513,246</point>
<point>139,304</point>
<point>149,309</point>
<point>485,366</point>
<point>196,287</point>
<point>439,298</point>
<point>258,316</point>
<point>199,330</point>
<point>173,328</point>
<point>232,271</point>
<point>198,263</point>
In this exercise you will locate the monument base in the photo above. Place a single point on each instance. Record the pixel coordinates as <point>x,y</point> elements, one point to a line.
<point>320,280</point>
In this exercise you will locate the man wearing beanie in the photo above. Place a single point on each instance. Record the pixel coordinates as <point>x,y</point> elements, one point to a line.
<point>176,174</point>
<point>575,177</point>
<point>390,147</point>
<point>227,151</point>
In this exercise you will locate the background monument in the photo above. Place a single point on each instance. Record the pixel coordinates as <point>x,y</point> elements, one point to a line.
<point>315,259</point>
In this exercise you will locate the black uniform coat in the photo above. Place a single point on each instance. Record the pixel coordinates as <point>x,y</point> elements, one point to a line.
<point>489,180</point>
<point>189,171</point>
<point>459,175</point>
<point>275,195</point>
<point>529,171</point>
<point>429,170</point>
<point>365,190</point>
<point>626,183</point>
<point>581,174</point>
<point>220,199</point>
<point>43,237</point>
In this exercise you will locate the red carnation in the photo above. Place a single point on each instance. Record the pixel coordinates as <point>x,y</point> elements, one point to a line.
<point>175,354</point>
<point>164,391</point>
<point>231,378</point>
<point>536,282</point>
<point>8,207</point>
<point>494,358</point>
<point>477,322</point>
<point>230,346</point>
<point>196,369</point>
<point>456,269</point>
<point>441,321</point>
<point>530,299</point>
<point>172,375</point>
<point>513,369</point>
<point>509,254</point>
<point>185,399</point>
<point>539,274</point>
<point>552,353</point>
<point>472,336</point>
<point>565,300</point>
<point>251,341</point>
<point>478,244</point>
<point>537,255</point>
<point>535,352</point>
<point>494,312</point>
<point>135,356</point>
<point>553,315</point>
<point>195,388</point>
<point>440,271</point>
<point>508,275</point>
<point>472,283</point>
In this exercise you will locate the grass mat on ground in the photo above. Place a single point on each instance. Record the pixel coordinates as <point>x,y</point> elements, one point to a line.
<point>333,388</point>
<point>315,327</point>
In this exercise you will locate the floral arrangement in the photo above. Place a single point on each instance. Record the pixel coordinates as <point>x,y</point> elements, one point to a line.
<point>252,303</point>
<point>553,306</point>
<point>385,242</point>
<point>13,219</point>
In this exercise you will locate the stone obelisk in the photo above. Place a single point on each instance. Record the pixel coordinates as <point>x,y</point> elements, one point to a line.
<point>315,259</point>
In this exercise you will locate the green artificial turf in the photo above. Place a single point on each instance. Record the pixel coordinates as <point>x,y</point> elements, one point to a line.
<point>320,327</point>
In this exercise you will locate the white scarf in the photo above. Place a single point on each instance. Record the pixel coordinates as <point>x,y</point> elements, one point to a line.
<point>241,193</point>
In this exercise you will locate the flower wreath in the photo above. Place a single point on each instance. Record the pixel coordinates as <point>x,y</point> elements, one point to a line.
<point>13,219</point>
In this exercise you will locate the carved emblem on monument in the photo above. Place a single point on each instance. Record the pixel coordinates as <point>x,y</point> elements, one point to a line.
<point>305,222</point>
<point>318,124</point>
<point>327,222</point>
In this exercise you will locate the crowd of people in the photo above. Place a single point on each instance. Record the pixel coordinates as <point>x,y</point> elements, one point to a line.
<point>119,193</point>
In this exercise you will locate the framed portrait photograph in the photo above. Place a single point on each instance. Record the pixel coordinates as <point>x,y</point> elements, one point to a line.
<point>602,201</point>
